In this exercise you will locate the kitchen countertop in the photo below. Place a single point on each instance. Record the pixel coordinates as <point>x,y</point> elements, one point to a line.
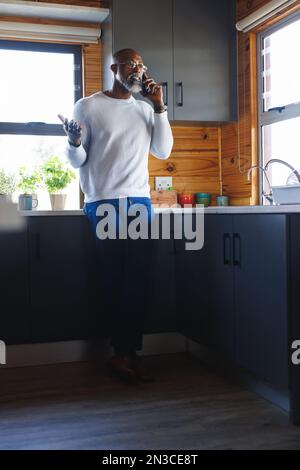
<point>284,209</point>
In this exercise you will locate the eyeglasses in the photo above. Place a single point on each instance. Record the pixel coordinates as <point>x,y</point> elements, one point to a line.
<point>131,64</point>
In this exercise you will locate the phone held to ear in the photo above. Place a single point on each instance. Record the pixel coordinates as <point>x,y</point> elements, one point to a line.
<point>145,89</point>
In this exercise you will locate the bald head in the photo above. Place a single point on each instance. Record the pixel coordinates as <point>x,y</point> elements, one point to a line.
<point>126,54</point>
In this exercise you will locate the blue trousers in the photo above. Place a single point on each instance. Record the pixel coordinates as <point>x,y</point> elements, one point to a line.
<point>123,273</point>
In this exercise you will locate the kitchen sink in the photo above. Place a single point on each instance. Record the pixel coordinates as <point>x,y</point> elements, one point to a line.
<point>286,194</point>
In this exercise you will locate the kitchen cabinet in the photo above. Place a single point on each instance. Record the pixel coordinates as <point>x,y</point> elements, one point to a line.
<point>161,314</point>
<point>294,317</point>
<point>59,281</point>
<point>204,60</point>
<point>260,271</point>
<point>148,29</point>
<point>243,273</point>
<point>192,299</point>
<point>189,47</point>
<point>205,292</point>
<point>14,282</point>
<point>221,311</point>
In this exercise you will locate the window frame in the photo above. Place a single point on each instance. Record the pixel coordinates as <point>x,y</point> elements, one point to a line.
<point>39,128</point>
<point>266,118</point>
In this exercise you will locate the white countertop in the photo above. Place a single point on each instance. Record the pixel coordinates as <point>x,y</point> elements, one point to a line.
<point>284,209</point>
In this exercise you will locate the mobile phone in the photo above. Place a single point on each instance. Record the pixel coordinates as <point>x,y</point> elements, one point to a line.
<point>145,90</point>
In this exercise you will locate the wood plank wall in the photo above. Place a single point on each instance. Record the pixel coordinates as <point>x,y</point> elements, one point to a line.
<point>194,162</point>
<point>239,140</point>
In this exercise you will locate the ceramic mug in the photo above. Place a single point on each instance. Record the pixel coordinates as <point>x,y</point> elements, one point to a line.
<point>27,203</point>
<point>222,200</point>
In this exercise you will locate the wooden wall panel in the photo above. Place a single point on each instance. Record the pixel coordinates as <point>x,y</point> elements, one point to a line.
<point>238,138</point>
<point>246,7</point>
<point>194,162</point>
<point>92,70</point>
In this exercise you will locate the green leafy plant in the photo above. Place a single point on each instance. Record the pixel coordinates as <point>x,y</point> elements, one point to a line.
<point>29,180</point>
<point>56,174</point>
<point>8,183</point>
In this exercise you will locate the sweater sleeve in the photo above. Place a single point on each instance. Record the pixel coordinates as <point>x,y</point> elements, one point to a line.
<point>78,155</point>
<point>162,137</point>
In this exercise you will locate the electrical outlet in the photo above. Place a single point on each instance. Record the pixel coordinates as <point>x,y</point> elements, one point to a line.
<point>163,182</point>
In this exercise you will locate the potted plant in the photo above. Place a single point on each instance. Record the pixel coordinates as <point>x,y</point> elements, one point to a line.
<point>8,185</point>
<point>29,181</point>
<point>56,175</point>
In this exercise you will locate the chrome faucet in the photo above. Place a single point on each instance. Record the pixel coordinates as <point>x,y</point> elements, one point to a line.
<point>278,160</point>
<point>268,196</point>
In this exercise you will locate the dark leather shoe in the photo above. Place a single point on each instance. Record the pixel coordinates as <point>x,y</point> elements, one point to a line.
<point>140,370</point>
<point>120,368</point>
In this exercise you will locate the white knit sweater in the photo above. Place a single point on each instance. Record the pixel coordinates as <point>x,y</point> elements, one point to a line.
<point>117,137</point>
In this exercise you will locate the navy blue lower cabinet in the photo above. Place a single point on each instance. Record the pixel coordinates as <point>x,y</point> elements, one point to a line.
<point>59,281</point>
<point>260,282</point>
<point>14,288</point>
<point>233,296</point>
<point>192,297</point>
<point>220,270</point>
<point>161,311</point>
<point>204,287</point>
<point>294,318</point>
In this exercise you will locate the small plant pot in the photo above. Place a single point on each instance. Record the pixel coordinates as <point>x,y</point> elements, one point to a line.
<point>58,201</point>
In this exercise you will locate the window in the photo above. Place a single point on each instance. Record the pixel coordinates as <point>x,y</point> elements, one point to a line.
<point>279,103</point>
<point>37,82</point>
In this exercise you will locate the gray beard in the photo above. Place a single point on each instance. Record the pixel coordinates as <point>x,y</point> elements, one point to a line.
<point>131,85</point>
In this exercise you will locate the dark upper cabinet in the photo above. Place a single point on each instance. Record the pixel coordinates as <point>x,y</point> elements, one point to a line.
<point>189,47</point>
<point>14,288</point>
<point>204,60</point>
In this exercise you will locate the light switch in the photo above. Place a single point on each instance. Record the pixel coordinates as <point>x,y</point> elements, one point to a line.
<point>163,182</point>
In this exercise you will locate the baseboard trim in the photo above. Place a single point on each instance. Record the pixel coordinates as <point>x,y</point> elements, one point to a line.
<point>75,351</point>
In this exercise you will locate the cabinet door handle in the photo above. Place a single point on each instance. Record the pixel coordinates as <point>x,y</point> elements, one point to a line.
<point>226,248</point>
<point>180,88</point>
<point>37,246</point>
<point>165,92</point>
<point>237,249</point>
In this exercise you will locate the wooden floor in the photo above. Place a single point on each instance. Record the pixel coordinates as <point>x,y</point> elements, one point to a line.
<point>76,406</point>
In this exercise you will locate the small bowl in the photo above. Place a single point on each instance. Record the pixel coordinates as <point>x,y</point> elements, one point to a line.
<point>203,198</point>
<point>184,199</point>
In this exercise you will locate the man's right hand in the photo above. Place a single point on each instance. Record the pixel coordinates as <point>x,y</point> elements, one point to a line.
<point>72,129</point>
